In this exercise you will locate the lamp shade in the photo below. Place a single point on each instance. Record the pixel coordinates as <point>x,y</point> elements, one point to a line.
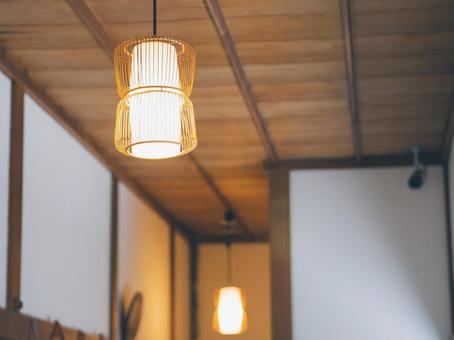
<point>155,117</point>
<point>230,311</point>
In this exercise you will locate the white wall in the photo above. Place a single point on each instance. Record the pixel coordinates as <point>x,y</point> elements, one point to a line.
<point>5,98</point>
<point>250,271</point>
<point>369,257</point>
<point>144,264</point>
<point>66,227</point>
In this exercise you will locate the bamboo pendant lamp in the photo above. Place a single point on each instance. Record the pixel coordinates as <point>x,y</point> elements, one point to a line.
<point>154,77</point>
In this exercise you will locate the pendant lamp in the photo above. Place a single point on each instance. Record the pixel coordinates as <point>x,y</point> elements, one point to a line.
<point>154,77</point>
<point>230,315</point>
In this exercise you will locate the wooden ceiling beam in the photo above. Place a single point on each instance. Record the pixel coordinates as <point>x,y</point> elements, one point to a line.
<point>227,204</point>
<point>86,15</point>
<point>350,65</point>
<point>56,112</point>
<point>402,159</point>
<point>215,11</point>
<point>232,238</point>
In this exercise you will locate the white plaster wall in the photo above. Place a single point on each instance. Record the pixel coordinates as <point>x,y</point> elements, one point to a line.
<point>369,256</point>
<point>5,99</point>
<point>66,227</point>
<point>144,264</point>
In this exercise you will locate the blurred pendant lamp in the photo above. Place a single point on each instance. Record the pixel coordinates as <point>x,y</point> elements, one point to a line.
<point>154,77</point>
<point>230,315</point>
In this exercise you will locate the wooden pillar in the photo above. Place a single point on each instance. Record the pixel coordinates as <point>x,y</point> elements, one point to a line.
<point>114,313</point>
<point>281,315</point>
<point>172,283</point>
<point>13,302</point>
<point>449,240</point>
<point>194,309</point>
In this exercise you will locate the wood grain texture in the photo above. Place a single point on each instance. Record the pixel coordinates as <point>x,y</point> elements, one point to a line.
<point>350,64</point>
<point>218,19</point>
<point>291,53</point>
<point>13,273</point>
<point>280,255</point>
<point>404,159</point>
<point>86,15</point>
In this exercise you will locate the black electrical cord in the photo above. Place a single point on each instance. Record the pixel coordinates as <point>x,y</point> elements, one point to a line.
<point>155,10</point>
<point>229,263</point>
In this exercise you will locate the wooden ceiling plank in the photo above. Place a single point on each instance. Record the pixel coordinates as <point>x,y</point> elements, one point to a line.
<point>228,205</point>
<point>56,112</point>
<point>87,16</point>
<point>215,11</point>
<point>351,76</point>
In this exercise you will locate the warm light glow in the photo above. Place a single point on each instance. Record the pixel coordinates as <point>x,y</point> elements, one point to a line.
<point>155,118</point>
<point>230,315</point>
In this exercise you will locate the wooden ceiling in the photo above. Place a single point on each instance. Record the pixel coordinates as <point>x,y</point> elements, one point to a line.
<point>275,80</point>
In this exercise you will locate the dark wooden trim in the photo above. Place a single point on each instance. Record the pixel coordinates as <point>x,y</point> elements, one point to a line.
<point>403,159</point>
<point>57,113</point>
<point>281,311</point>
<point>114,301</point>
<point>172,283</point>
<point>16,326</point>
<point>449,240</point>
<point>215,11</point>
<point>13,281</point>
<point>448,134</point>
<point>86,15</point>
<point>350,65</point>
<point>227,204</point>
<point>194,303</point>
<point>232,238</point>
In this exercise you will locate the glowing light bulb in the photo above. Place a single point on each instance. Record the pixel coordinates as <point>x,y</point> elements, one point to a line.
<point>230,315</point>
<point>155,114</point>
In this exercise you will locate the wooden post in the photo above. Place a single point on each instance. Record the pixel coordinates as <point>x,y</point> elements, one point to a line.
<point>172,283</point>
<point>114,315</point>
<point>281,314</point>
<point>13,301</point>
<point>194,309</point>
<point>446,182</point>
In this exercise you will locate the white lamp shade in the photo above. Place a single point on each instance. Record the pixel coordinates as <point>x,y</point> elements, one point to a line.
<point>155,117</point>
<point>230,314</point>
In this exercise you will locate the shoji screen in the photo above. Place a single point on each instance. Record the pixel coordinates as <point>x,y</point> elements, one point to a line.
<point>5,93</point>
<point>368,255</point>
<point>66,227</point>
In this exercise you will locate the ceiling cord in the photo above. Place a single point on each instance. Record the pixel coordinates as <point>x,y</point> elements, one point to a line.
<point>155,10</point>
